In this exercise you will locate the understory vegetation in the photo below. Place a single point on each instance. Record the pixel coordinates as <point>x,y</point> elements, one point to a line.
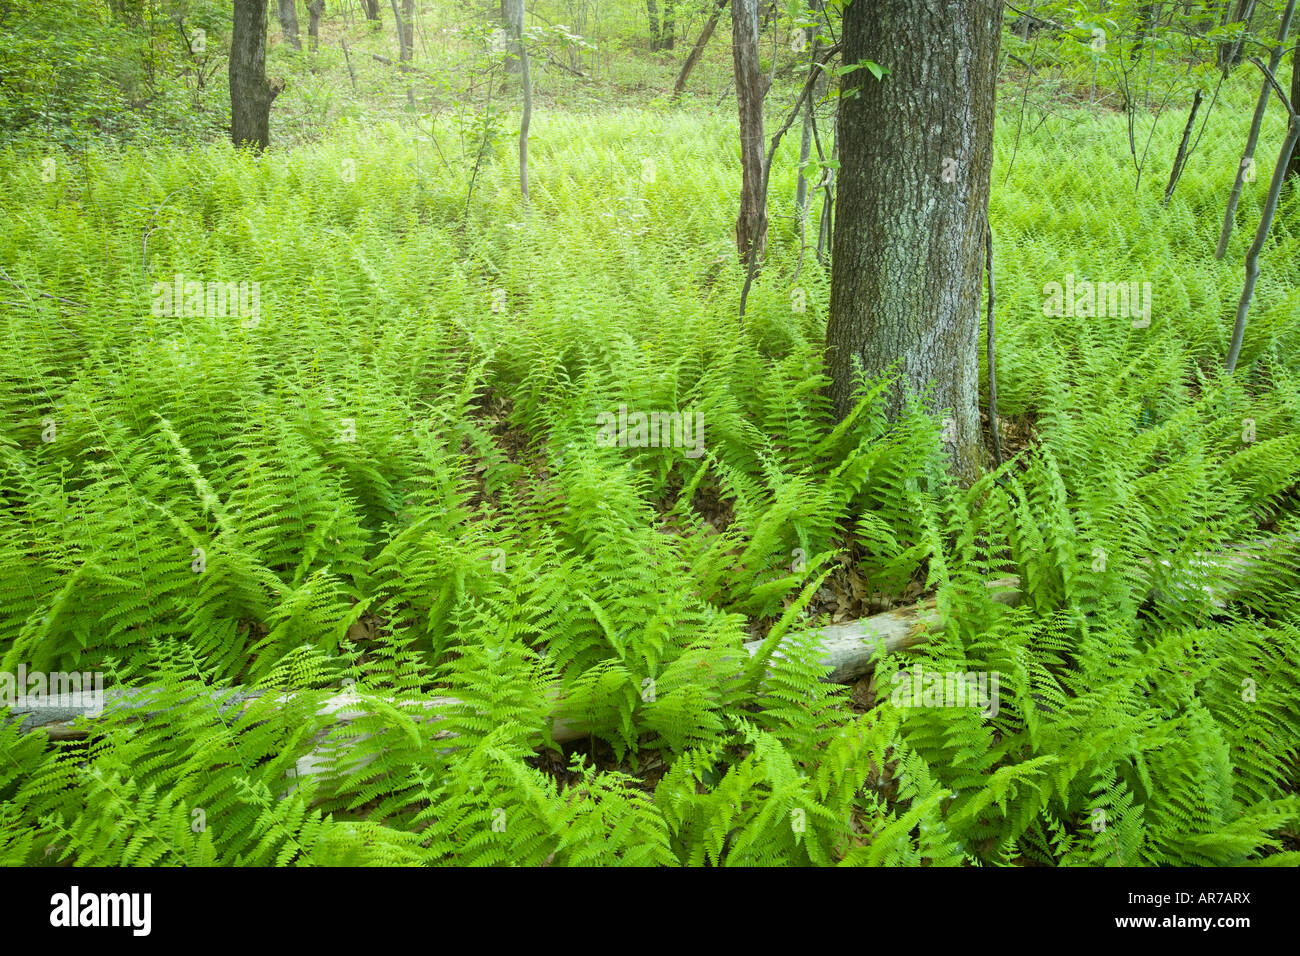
<point>383,477</point>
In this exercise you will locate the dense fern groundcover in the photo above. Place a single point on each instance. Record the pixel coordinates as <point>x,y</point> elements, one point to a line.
<point>382,473</point>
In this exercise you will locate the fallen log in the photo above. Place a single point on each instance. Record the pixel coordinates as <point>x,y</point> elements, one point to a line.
<point>849,651</point>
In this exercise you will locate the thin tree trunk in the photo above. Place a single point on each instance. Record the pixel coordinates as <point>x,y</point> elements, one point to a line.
<point>1147,19</point>
<point>314,10</point>
<point>1293,171</point>
<point>694,56</point>
<point>805,139</point>
<point>827,222</point>
<point>907,268</point>
<point>405,19</point>
<point>526,81</point>
<point>805,96</point>
<point>1256,122</point>
<point>751,88</point>
<point>668,32</point>
<point>1261,233</point>
<point>990,347</point>
<point>1229,52</point>
<point>805,153</point>
<point>1181,158</point>
<point>251,94</point>
<point>512,20</point>
<point>652,10</point>
<point>289,23</point>
<point>347,58</point>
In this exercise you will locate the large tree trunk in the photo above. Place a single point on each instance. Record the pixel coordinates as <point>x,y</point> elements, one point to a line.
<point>694,56</point>
<point>372,9</point>
<point>916,153</point>
<point>289,23</point>
<point>315,8</point>
<point>250,93</point>
<point>751,88</point>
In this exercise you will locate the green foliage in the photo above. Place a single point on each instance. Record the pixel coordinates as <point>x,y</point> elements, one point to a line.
<point>380,507</point>
<point>72,71</point>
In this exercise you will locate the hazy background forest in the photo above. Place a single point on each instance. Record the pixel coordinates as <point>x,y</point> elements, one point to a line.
<point>307,454</point>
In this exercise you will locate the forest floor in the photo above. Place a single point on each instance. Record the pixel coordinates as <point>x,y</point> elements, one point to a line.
<point>383,467</point>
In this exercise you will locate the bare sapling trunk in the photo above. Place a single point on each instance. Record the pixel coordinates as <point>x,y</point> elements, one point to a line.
<point>694,56</point>
<point>1265,220</point>
<point>826,224</point>
<point>512,21</point>
<point>916,154</point>
<point>1180,160</point>
<point>405,19</point>
<point>1229,51</point>
<point>751,88</point>
<point>1293,171</point>
<point>1246,168</point>
<point>526,83</point>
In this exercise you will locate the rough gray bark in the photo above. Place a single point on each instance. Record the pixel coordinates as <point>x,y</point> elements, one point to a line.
<point>751,88</point>
<point>314,9</point>
<point>1252,139</point>
<point>916,152</point>
<point>694,56</point>
<point>289,23</point>
<point>372,9</point>
<point>250,92</point>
